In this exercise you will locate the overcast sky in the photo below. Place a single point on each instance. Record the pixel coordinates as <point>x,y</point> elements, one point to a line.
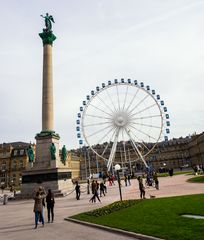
<point>159,42</point>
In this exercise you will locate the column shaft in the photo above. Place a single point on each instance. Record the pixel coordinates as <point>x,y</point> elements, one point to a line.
<point>47,94</point>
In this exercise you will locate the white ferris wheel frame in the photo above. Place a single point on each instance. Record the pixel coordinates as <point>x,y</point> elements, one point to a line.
<point>96,93</point>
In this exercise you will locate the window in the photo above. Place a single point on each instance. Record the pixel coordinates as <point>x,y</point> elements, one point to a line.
<point>3,178</point>
<point>14,165</point>
<point>15,152</point>
<point>3,166</point>
<point>21,151</point>
<point>13,179</point>
<point>20,178</point>
<point>21,163</point>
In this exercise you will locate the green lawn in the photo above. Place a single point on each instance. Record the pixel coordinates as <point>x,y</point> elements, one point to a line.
<point>156,217</point>
<point>198,179</point>
<point>175,173</point>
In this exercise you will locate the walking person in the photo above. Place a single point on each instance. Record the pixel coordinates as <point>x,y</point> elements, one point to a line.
<point>38,208</point>
<point>141,187</point>
<point>155,178</point>
<point>88,186</point>
<point>95,193</point>
<point>77,189</point>
<point>110,180</point>
<point>50,205</point>
<point>93,185</point>
<point>171,172</point>
<point>129,178</point>
<point>102,189</point>
<point>125,179</point>
<point>43,193</point>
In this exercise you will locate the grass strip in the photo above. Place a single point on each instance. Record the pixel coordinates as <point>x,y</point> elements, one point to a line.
<point>198,179</point>
<point>155,217</point>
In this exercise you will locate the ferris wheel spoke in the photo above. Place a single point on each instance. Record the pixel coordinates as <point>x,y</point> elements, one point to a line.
<point>143,110</point>
<point>136,152</point>
<point>111,100</point>
<point>124,149</point>
<point>146,125</point>
<point>113,149</point>
<point>100,117</point>
<point>123,130</point>
<point>132,99</point>
<point>145,146</point>
<point>121,155</point>
<point>108,107</point>
<point>141,101</point>
<point>96,124</point>
<point>140,140</point>
<point>136,148</point>
<point>146,117</point>
<point>125,97</point>
<point>99,131</point>
<point>108,142</point>
<point>143,132</point>
<point>107,133</point>
<point>106,147</point>
<point>100,110</point>
<point>118,97</point>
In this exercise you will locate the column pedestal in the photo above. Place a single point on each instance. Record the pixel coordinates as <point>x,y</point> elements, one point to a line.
<point>46,172</point>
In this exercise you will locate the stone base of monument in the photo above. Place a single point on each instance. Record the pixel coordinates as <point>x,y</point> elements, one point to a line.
<point>56,179</point>
<point>46,172</point>
<point>43,157</point>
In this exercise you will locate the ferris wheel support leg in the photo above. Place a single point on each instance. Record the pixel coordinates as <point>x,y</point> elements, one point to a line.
<point>136,148</point>
<point>112,154</point>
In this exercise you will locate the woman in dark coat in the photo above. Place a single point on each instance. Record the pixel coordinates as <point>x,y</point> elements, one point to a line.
<point>50,205</point>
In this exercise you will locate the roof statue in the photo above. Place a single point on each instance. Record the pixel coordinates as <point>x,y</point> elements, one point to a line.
<point>47,35</point>
<point>48,22</point>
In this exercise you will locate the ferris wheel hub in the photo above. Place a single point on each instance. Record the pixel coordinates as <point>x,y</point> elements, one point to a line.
<point>120,119</point>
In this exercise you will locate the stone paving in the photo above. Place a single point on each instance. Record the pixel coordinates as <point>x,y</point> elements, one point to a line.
<point>17,218</point>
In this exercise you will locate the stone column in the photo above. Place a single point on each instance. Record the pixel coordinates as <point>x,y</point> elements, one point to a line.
<point>47,136</point>
<point>47,91</point>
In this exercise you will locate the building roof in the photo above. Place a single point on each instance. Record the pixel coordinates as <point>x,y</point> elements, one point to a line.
<point>14,144</point>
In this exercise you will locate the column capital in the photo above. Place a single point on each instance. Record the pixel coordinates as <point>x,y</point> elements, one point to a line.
<point>47,134</point>
<point>47,37</point>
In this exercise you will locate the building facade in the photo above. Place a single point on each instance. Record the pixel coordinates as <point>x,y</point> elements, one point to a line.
<point>177,153</point>
<point>74,161</point>
<point>13,160</point>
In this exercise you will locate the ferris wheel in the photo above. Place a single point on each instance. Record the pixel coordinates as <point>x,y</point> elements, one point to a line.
<point>122,117</point>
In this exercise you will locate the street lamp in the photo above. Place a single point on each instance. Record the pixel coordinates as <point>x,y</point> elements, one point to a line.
<point>117,169</point>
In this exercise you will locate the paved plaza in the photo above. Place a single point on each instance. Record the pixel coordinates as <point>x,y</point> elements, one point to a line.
<point>17,217</point>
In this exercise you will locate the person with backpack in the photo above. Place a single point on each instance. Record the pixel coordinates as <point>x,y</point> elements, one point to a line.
<point>50,205</point>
